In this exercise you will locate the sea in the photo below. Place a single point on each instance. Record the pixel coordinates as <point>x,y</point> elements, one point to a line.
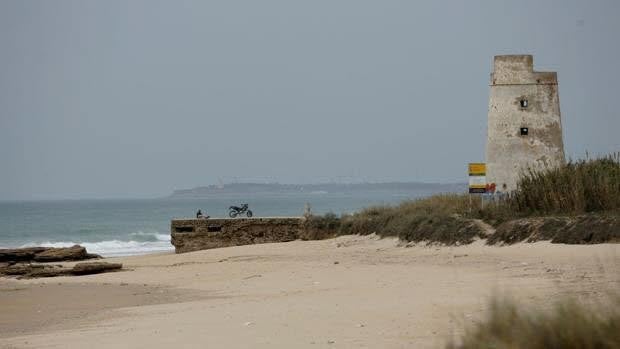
<point>140,226</point>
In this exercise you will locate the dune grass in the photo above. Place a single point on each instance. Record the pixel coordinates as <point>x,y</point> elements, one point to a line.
<point>578,187</point>
<point>568,324</point>
<point>439,218</point>
<point>584,186</point>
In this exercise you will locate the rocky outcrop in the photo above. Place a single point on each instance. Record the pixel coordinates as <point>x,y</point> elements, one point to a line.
<point>201,234</point>
<point>20,254</point>
<point>23,270</point>
<point>25,262</point>
<point>94,268</point>
<point>45,254</point>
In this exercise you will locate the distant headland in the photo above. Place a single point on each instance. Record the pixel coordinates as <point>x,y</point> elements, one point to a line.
<point>277,188</point>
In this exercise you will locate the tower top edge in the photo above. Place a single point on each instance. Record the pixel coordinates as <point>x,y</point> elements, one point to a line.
<point>518,69</point>
<point>514,57</point>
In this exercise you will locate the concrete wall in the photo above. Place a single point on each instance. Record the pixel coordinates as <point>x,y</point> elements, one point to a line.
<point>201,234</point>
<point>508,153</point>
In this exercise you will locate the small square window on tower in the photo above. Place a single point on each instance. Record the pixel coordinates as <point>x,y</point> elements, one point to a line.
<point>523,103</point>
<point>524,131</point>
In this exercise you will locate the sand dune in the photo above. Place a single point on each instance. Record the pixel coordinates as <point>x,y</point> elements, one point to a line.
<point>348,292</point>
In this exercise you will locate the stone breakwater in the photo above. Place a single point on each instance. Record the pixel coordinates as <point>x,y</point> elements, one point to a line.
<point>200,234</point>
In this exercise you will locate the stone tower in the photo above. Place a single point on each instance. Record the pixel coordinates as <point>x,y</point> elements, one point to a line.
<point>524,126</point>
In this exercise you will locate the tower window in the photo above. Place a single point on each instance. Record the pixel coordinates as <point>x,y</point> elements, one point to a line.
<point>523,103</point>
<point>524,131</point>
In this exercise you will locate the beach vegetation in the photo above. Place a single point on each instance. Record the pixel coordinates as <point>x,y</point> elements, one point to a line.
<point>566,324</point>
<point>587,187</point>
<point>577,187</point>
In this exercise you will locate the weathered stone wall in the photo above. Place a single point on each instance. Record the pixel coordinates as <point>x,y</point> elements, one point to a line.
<point>201,234</point>
<point>508,152</point>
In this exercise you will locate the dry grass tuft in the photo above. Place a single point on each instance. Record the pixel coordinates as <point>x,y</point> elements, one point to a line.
<point>567,325</point>
<point>440,218</point>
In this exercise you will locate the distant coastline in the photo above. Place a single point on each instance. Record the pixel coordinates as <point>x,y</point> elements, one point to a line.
<point>324,188</point>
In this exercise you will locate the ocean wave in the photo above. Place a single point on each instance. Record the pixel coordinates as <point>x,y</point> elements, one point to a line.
<point>146,237</point>
<point>116,248</point>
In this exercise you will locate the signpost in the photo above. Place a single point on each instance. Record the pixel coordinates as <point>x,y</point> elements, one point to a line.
<point>477,178</point>
<point>477,181</point>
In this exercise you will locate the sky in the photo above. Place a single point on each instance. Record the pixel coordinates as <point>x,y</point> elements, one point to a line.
<point>134,99</point>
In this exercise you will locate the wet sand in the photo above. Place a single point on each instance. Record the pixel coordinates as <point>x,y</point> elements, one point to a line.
<point>49,305</point>
<point>349,292</point>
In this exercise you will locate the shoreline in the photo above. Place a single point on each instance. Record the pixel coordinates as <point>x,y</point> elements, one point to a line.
<point>355,291</point>
<point>88,245</point>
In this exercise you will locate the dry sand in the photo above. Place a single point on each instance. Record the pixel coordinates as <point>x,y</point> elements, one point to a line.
<point>348,292</point>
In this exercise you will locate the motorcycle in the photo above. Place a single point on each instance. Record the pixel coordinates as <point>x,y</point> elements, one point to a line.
<point>234,211</point>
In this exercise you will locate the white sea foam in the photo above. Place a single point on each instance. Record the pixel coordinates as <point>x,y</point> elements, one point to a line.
<point>116,248</point>
<point>142,236</point>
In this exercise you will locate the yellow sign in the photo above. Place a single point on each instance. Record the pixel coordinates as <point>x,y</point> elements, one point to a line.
<point>477,169</point>
<point>477,177</point>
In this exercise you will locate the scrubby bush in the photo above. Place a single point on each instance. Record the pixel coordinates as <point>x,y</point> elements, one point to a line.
<point>321,227</point>
<point>568,324</point>
<point>440,218</point>
<point>577,187</point>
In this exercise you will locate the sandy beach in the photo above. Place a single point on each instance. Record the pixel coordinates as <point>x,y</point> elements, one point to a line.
<point>348,292</point>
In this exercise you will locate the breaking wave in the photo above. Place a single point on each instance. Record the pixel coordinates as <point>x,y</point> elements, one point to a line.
<point>139,243</point>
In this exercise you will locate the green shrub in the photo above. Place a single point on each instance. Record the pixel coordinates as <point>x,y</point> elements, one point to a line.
<point>577,187</point>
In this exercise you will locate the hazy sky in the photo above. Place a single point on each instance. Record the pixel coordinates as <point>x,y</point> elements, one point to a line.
<point>137,98</point>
